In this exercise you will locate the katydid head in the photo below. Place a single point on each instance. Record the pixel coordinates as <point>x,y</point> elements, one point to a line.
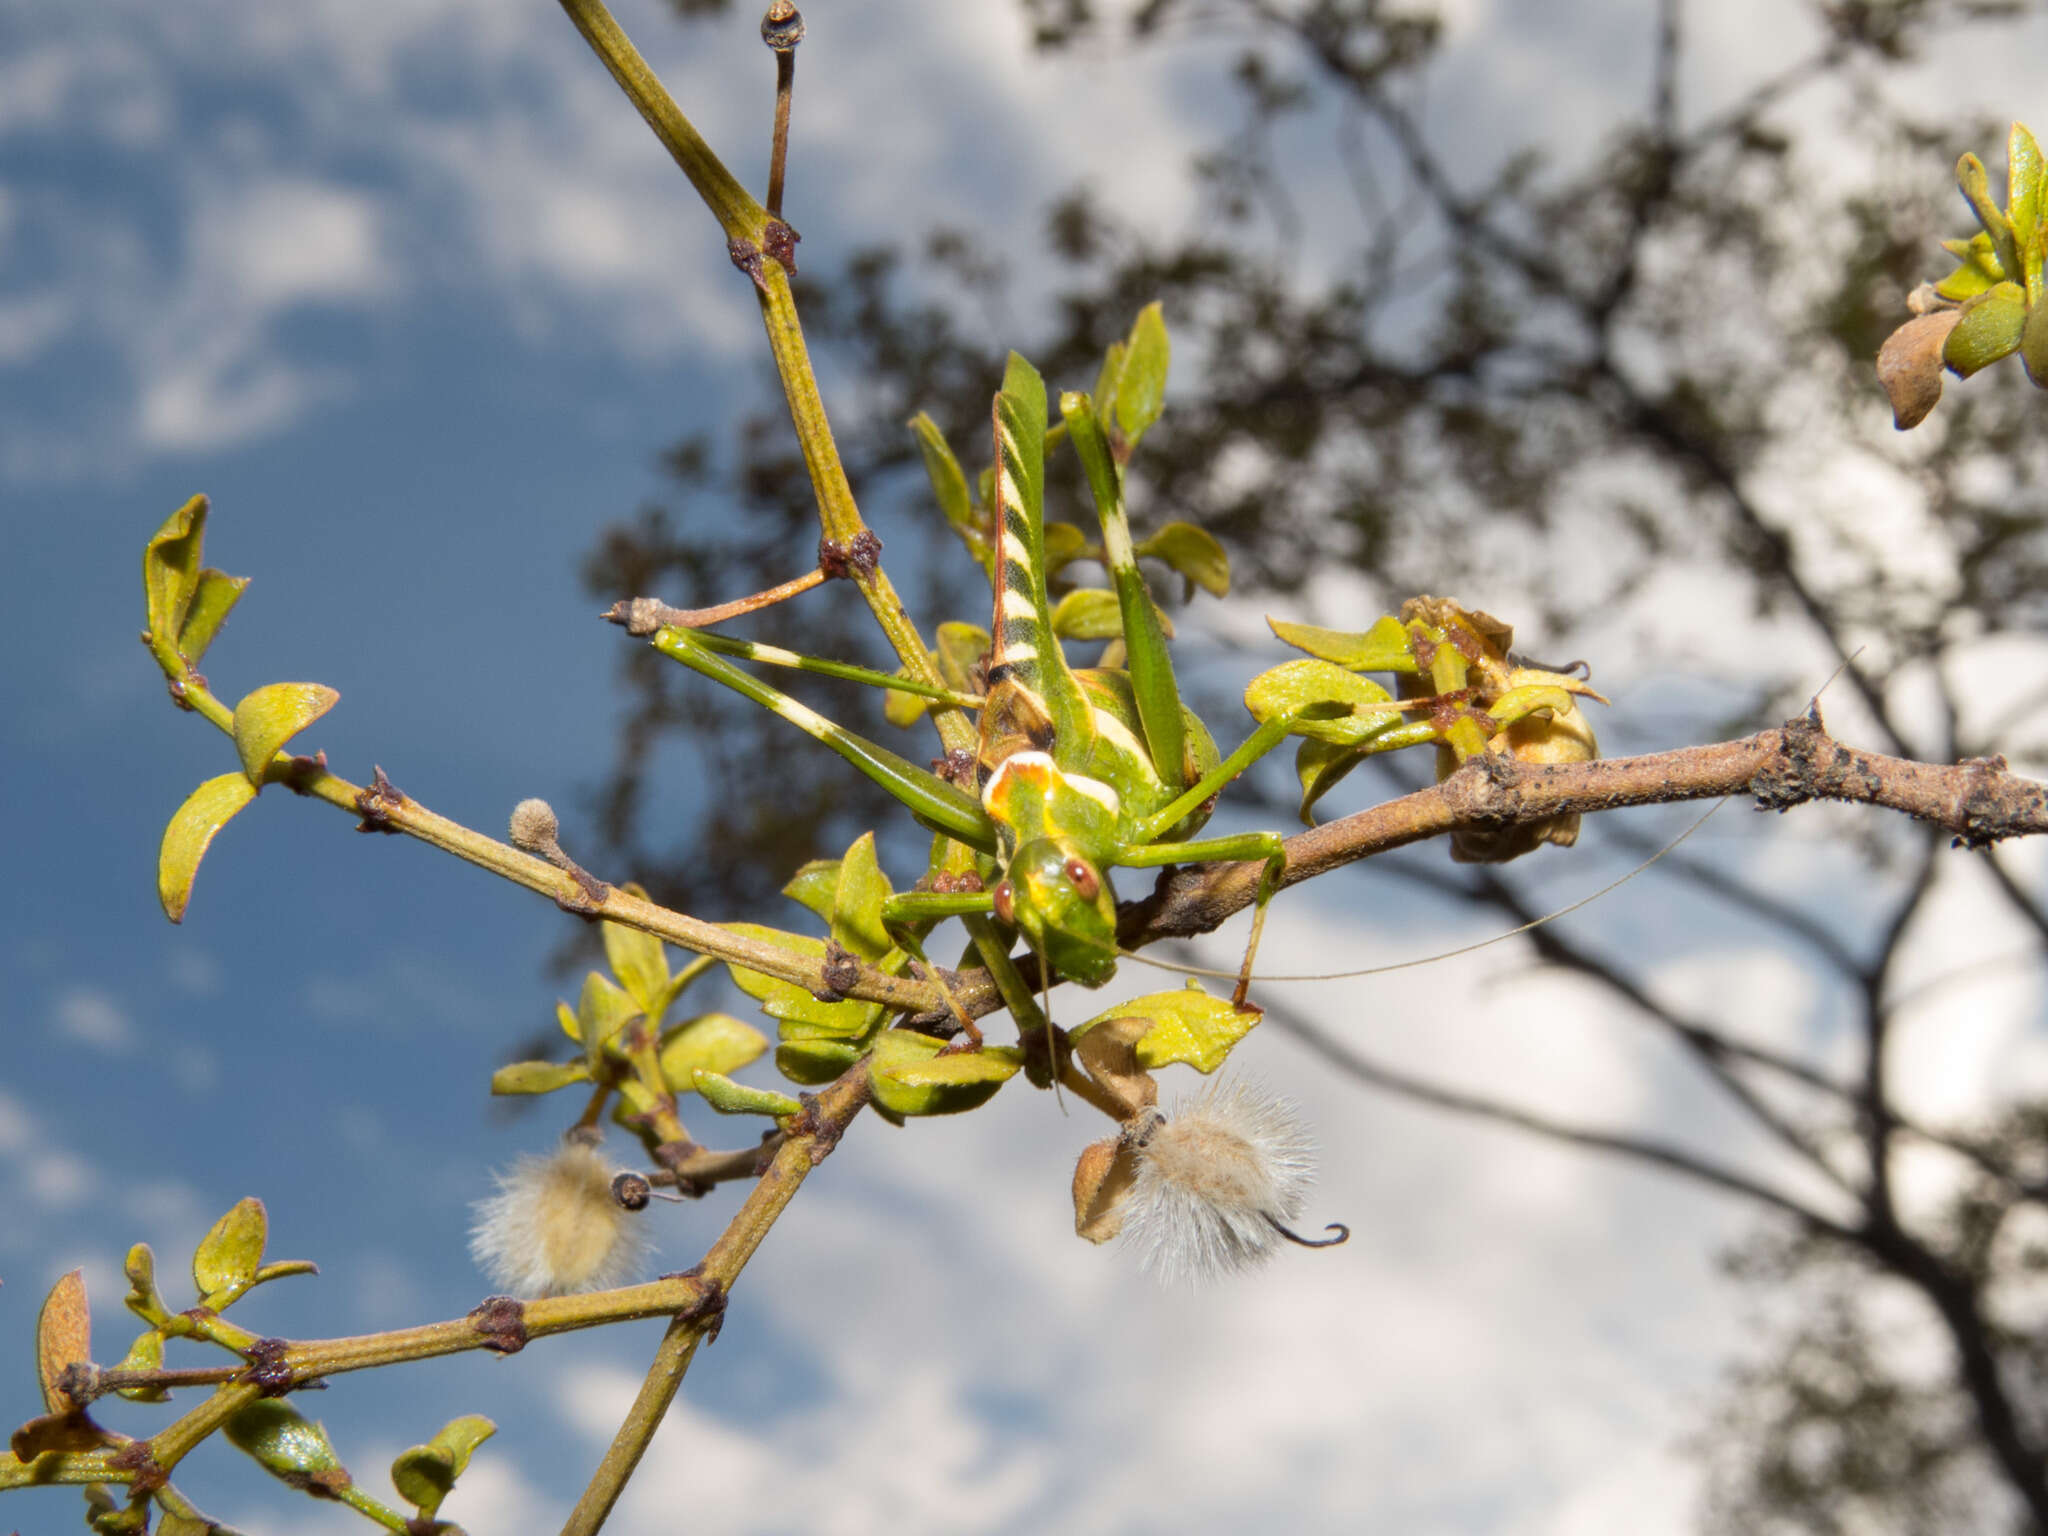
<point>1065,908</point>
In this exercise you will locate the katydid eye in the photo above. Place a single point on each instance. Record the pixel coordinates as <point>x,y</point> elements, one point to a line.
<point>1083,878</point>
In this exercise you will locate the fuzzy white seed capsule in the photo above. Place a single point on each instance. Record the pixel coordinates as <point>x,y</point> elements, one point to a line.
<point>1218,1180</point>
<point>554,1227</point>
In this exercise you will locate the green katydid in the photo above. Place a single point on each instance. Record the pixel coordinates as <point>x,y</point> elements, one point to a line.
<point>1079,771</point>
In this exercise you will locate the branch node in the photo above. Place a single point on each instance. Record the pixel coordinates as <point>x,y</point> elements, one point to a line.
<point>376,801</point>
<point>501,1320</point>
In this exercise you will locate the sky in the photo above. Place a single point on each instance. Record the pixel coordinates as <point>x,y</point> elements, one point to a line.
<point>411,293</point>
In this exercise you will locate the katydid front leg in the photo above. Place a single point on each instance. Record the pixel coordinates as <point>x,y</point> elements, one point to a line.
<point>1267,847</point>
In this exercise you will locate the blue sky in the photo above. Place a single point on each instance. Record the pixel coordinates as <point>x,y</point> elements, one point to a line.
<point>409,291</point>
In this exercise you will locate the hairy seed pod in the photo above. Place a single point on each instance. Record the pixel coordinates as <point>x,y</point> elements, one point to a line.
<point>554,1226</point>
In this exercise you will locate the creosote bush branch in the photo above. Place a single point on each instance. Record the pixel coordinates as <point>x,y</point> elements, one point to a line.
<point>1028,823</point>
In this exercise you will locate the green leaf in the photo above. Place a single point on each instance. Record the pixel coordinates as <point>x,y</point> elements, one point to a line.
<point>639,963</point>
<point>1324,702</point>
<point>63,1339</point>
<point>538,1076</point>
<point>910,1077</point>
<point>272,715</point>
<point>1989,330</point>
<point>145,1354</point>
<point>190,833</point>
<point>1193,553</point>
<point>170,569</point>
<point>566,1017</point>
<point>142,1298</point>
<point>1141,382</point>
<point>857,902</point>
<point>215,595</point>
<point>1188,1026</point>
<point>425,1474</point>
<point>785,1000</point>
<point>810,1063</point>
<point>1386,647</point>
<point>731,1098</point>
<point>711,1042</point>
<point>287,1445</point>
<point>225,1262</point>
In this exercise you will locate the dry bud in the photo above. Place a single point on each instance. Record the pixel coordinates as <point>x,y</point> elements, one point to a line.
<point>534,826</point>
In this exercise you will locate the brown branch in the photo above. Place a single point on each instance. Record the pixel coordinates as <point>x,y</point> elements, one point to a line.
<point>1979,802</point>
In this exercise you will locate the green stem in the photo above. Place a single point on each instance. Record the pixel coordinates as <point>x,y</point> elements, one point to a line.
<point>401,813</point>
<point>730,203</point>
<point>829,1115</point>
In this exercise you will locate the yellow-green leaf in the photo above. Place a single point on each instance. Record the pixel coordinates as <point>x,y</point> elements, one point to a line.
<point>731,1098</point>
<point>145,1354</point>
<point>1324,702</point>
<point>272,715</point>
<point>949,482</point>
<point>2034,343</point>
<point>1192,552</point>
<point>711,1042</point>
<point>1979,269</point>
<point>1188,1026</point>
<point>639,963</point>
<point>1385,647</point>
<point>810,1063</point>
<point>142,1298</point>
<point>538,1076</point>
<point>911,1078</point>
<point>1320,766</point>
<point>1141,381</point>
<point>785,1000</point>
<point>960,647</point>
<point>170,569</point>
<point>1064,544</point>
<point>287,1444</point>
<point>1989,330</point>
<point>1088,613</point>
<point>215,594</point>
<point>63,1339</point>
<point>857,902</point>
<point>425,1474</point>
<point>2026,189</point>
<point>189,834</point>
<point>814,886</point>
<point>602,1011</point>
<point>224,1264</point>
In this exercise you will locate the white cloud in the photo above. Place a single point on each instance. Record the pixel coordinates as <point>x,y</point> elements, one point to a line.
<point>91,1017</point>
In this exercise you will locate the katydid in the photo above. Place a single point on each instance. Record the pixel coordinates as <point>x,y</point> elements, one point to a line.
<point>1078,771</point>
